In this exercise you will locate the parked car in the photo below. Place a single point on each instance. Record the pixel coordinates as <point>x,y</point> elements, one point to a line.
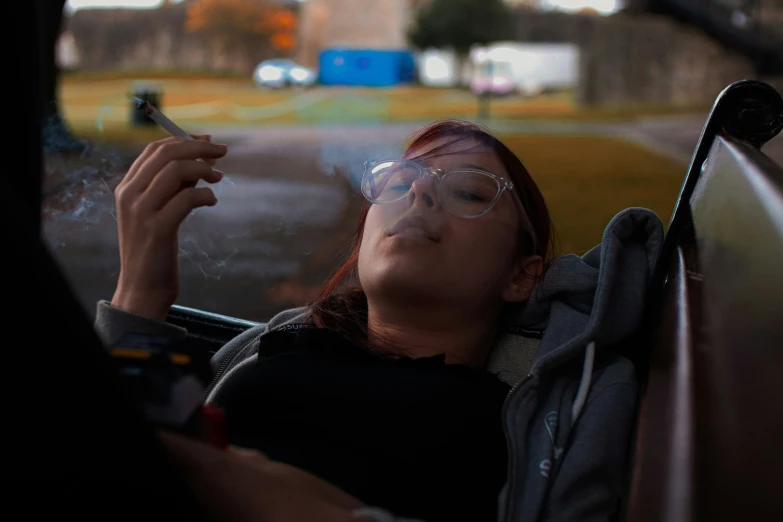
<point>275,74</point>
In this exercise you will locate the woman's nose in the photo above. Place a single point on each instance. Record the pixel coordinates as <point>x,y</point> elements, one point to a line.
<point>423,190</point>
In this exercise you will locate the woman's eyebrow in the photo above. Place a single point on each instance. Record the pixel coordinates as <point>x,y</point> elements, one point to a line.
<point>426,160</point>
<point>470,166</point>
<point>456,165</point>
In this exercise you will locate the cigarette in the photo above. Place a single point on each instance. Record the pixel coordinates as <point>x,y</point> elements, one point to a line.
<point>159,118</point>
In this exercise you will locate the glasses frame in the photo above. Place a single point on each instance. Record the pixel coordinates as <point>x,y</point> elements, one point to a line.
<point>502,183</point>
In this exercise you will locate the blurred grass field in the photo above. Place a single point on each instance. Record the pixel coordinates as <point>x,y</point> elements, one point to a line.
<point>98,106</point>
<point>586,180</point>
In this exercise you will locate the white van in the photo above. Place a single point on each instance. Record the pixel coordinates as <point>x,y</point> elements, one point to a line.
<point>527,68</point>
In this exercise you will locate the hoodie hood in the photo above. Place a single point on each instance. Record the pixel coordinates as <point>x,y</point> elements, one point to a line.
<point>595,298</point>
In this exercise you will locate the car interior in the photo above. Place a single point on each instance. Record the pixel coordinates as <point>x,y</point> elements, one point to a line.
<point>707,439</point>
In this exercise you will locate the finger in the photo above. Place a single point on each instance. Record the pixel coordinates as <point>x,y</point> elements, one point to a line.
<point>148,151</point>
<point>176,210</point>
<point>124,196</point>
<point>205,137</point>
<point>174,177</point>
<point>167,152</point>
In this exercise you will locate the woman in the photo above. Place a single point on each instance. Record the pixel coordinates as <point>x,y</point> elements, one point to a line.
<point>401,384</point>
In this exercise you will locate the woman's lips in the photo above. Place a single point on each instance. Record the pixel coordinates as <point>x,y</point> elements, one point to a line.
<point>413,233</point>
<point>414,227</point>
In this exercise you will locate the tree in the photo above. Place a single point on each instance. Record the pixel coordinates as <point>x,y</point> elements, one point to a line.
<point>243,24</point>
<point>461,24</point>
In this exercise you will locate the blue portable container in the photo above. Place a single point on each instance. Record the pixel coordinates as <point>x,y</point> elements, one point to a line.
<point>366,67</point>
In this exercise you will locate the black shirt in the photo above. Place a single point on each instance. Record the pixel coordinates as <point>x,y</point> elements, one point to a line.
<point>418,437</point>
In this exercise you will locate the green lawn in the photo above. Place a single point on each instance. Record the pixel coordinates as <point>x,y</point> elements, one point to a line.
<point>586,181</point>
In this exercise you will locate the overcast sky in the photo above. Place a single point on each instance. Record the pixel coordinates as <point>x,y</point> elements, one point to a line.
<point>602,6</point>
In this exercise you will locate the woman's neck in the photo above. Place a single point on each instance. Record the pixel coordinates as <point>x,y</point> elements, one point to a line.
<point>417,333</point>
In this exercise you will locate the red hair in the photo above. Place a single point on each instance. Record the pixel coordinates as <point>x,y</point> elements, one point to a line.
<point>342,305</point>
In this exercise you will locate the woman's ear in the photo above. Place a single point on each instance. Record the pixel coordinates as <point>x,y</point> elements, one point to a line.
<point>520,285</point>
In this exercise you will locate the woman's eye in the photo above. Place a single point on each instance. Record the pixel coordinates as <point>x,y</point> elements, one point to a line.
<point>468,196</point>
<point>401,187</point>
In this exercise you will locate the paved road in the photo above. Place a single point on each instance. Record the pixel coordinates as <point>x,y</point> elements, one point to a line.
<point>678,135</point>
<point>287,209</point>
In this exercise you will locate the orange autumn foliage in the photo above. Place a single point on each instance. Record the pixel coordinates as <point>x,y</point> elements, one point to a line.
<point>233,20</point>
<point>283,41</point>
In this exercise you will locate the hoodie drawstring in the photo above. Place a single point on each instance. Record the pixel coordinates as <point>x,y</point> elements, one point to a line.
<point>584,384</point>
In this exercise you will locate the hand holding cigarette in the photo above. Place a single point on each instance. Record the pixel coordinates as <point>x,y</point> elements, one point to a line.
<point>153,199</point>
<point>158,117</point>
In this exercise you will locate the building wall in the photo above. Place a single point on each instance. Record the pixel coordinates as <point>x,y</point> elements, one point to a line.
<point>660,62</point>
<point>144,39</point>
<point>639,59</point>
<point>366,24</point>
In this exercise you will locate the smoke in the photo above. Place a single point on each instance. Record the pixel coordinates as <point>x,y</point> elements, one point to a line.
<point>206,252</point>
<point>78,175</point>
<point>347,158</point>
<point>79,209</point>
<point>208,257</point>
<point>226,242</point>
<point>78,184</point>
<point>99,120</point>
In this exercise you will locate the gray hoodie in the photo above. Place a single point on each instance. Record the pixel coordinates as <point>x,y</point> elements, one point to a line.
<point>570,413</point>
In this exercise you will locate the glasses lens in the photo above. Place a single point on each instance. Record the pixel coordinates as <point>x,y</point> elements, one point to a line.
<point>389,180</point>
<point>466,193</point>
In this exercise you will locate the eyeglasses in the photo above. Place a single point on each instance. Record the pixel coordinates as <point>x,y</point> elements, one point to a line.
<point>464,192</point>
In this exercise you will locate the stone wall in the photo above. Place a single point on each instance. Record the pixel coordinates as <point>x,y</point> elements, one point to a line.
<point>147,39</point>
<point>660,62</point>
<point>628,59</point>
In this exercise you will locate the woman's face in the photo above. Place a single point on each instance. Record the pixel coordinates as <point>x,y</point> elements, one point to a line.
<point>413,249</point>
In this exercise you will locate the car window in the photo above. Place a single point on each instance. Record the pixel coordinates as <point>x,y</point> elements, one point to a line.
<point>562,100</point>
